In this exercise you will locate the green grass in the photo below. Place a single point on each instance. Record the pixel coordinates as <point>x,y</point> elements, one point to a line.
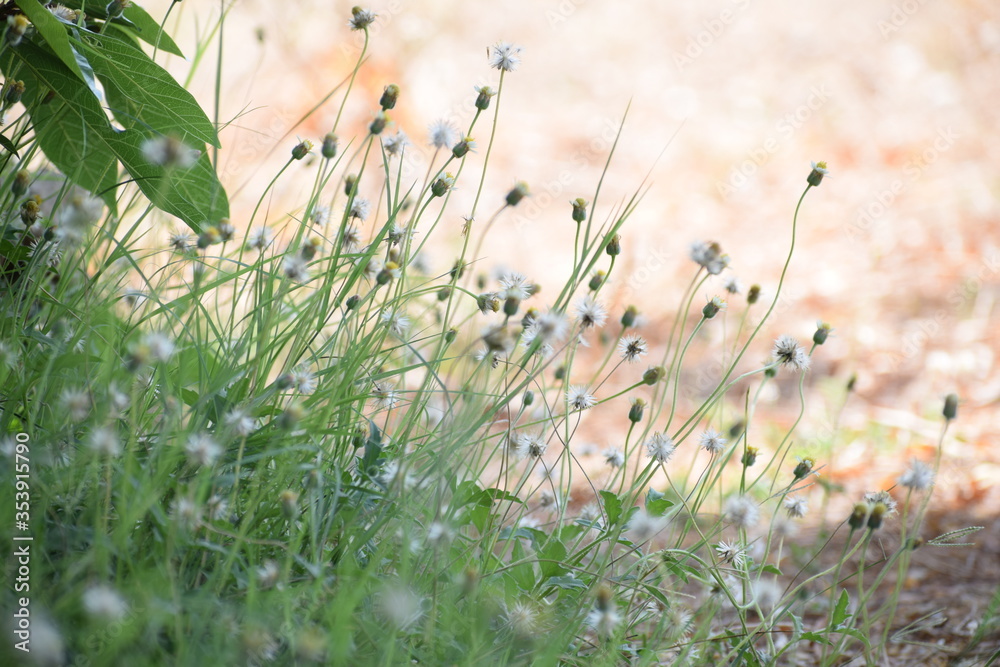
<point>313,450</point>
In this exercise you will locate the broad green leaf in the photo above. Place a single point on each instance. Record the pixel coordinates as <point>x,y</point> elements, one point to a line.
<point>815,637</point>
<point>612,505</point>
<point>141,93</point>
<point>840,611</point>
<point>551,556</point>
<point>770,569</point>
<point>75,134</point>
<point>149,30</point>
<point>656,504</point>
<point>565,582</point>
<point>54,32</point>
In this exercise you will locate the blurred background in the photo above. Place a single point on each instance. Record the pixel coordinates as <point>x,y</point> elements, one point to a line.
<point>728,102</point>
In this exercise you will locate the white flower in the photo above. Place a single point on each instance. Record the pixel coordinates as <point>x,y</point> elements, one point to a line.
<point>875,497</point>
<point>202,449</point>
<point>217,507</point>
<point>590,313</point>
<point>550,326</point>
<point>766,593</point>
<point>400,606</point>
<point>604,619</point>
<point>709,256</point>
<point>522,618</point>
<point>712,441</point>
<point>918,476</point>
<point>260,238</point>
<point>732,284</point>
<point>632,347</point>
<point>396,322</point>
<point>303,380</point>
<point>579,398</point>
<point>732,553</point>
<point>614,457</point>
<point>396,144</point>
<point>360,208</point>
<point>105,441</point>
<point>361,18</point>
<point>505,56</point>
<point>443,134</point>
<point>320,215</point>
<point>528,444</point>
<point>240,422</point>
<point>186,512</point>
<point>296,267</point>
<point>77,403</point>
<point>788,353</point>
<point>161,348</point>
<point>182,242</point>
<point>267,574</point>
<point>515,285</point>
<point>796,506</point>
<point>105,603</point>
<point>741,511</point>
<point>386,397</point>
<point>660,447</point>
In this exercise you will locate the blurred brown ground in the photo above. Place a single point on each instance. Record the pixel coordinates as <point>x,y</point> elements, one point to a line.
<point>899,248</point>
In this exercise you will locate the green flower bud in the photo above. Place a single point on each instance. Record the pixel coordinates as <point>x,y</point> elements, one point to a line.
<point>529,398</point>
<point>350,184</point>
<point>858,516</point>
<point>579,209</point>
<point>950,406</point>
<point>510,306</point>
<point>301,149</point>
<point>352,302</point>
<point>378,124</point>
<point>289,504</point>
<point>753,294</point>
<point>329,149</point>
<point>460,149</point>
<point>483,99</point>
<point>635,412</point>
<point>449,336</point>
<point>443,184</point>
<point>389,97</point>
<point>614,246</point>
<point>804,467</point>
<point>818,172</point>
<point>822,333</point>
<point>875,518</point>
<point>713,307</point>
<point>13,94</point>
<point>517,193</point>
<point>749,457</point>
<point>20,185</point>
<point>597,280</point>
<point>628,318</point>
<point>654,375</point>
<point>444,293</point>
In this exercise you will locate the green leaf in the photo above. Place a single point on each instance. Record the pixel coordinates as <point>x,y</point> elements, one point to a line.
<point>54,32</point>
<point>8,145</point>
<point>770,569</point>
<point>567,582</point>
<point>148,30</point>
<point>143,94</point>
<point>76,136</point>
<point>656,504</point>
<point>552,554</point>
<point>815,637</point>
<point>612,505</point>
<point>840,611</point>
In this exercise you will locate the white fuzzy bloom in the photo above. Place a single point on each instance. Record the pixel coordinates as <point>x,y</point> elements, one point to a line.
<point>505,56</point>
<point>579,398</point>
<point>105,603</point>
<point>712,441</point>
<point>919,476</point>
<point>789,354</point>
<point>741,511</point>
<point>660,447</point>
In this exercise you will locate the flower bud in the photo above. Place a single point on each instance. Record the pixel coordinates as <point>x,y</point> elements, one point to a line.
<point>818,172</point>
<point>804,467</point>
<point>301,149</point>
<point>20,185</point>
<point>628,318</point>
<point>950,406</point>
<point>597,280</point>
<point>329,149</point>
<point>510,306</point>
<point>17,25</point>
<point>858,515</point>
<point>713,307</point>
<point>444,293</point>
<point>116,8</point>
<point>560,373</point>
<point>378,124</point>
<point>457,270</point>
<point>654,375</point>
<point>387,273</point>
<point>614,246</point>
<point>389,97</point>
<point>483,99</point>
<point>875,518</point>
<point>529,398</point>
<point>517,193</point>
<point>352,302</point>
<point>442,185</point>
<point>852,382</point>
<point>13,94</point>
<point>210,236</point>
<point>822,333</point>
<point>753,294</point>
<point>291,416</point>
<point>749,457</point>
<point>579,209</point>
<point>289,504</point>
<point>449,336</point>
<point>350,183</point>
<point>460,149</point>
<point>635,412</point>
